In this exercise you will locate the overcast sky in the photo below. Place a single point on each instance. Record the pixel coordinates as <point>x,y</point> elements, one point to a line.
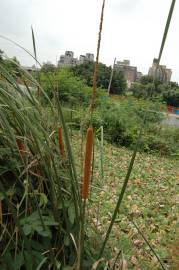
<point>132,30</point>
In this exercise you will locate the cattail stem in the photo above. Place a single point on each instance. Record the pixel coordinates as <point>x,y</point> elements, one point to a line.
<point>60,141</point>
<point>87,164</point>
<point>97,60</point>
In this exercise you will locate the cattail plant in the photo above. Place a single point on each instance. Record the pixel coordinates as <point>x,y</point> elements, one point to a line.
<point>60,141</point>
<point>53,205</point>
<point>87,164</point>
<point>93,99</point>
<point>21,148</point>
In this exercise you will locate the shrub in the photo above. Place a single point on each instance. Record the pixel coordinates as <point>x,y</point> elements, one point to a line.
<point>171,97</point>
<point>71,89</point>
<point>165,92</point>
<point>122,121</point>
<point>85,72</point>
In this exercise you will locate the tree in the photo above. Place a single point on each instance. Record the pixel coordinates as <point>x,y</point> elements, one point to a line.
<point>147,88</point>
<point>48,67</point>
<point>70,88</point>
<point>146,79</point>
<point>171,97</point>
<point>118,85</point>
<point>85,72</point>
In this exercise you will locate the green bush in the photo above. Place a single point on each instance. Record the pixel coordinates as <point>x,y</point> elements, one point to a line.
<point>171,97</point>
<point>162,139</point>
<point>164,92</point>
<point>70,88</point>
<point>122,121</point>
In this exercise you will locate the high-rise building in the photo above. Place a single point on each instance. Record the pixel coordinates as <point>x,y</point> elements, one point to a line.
<point>130,72</point>
<point>69,54</point>
<point>160,72</point>
<point>139,75</point>
<point>82,59</point>
<point>68,59</point>
<point>90,57</point>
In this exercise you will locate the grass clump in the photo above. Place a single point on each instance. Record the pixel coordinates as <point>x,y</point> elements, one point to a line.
<point>40,200</point>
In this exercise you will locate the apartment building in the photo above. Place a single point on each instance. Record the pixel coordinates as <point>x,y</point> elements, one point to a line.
<point>68,59</point>
<point>130,72</point>
<point>161,73</point>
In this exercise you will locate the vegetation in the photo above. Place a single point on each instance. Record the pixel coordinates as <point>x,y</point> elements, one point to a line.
<point>121,119</point>
<point>150,202</point>
<point>165,92</point>
<point>171,96</point>
<point>85,72</point>
<point>48,67</point>
<point>40,201</point>
<point>40,193</point>
<point>10,64</point>
<point>68,87</point>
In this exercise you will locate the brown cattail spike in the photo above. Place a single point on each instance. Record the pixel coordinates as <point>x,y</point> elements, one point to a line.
<point>60,141</point>
<point>87,164</point>
<point>21,147</point>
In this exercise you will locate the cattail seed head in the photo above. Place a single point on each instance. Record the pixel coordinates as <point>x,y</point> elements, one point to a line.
<point>60,141</point>
<point>21,147</point>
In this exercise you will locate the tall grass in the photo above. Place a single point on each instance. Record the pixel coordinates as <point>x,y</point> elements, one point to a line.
<point>40,198</point>
<point>42,214</point>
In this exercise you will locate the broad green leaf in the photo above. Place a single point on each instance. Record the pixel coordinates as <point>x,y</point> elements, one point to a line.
<point>27,229</point>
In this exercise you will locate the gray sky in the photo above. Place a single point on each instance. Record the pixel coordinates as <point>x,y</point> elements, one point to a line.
<point>132,30</point>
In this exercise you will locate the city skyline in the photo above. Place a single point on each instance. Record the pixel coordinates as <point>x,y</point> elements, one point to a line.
<point>132,30</point>
<point>131,72</point>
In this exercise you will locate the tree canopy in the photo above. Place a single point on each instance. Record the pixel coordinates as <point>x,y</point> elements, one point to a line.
<point>85,72</point>
<point>171,97</point>
<point>70,88</point>
<point>48,67</point>
<point>147,88</point>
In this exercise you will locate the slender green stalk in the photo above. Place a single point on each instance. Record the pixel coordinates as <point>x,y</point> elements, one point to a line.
<point>116,210</point>
<point>35,54</point>
<point>166,29</point>
<point>147,242</point>
<point>81,237</point>
<point>101,153</point>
